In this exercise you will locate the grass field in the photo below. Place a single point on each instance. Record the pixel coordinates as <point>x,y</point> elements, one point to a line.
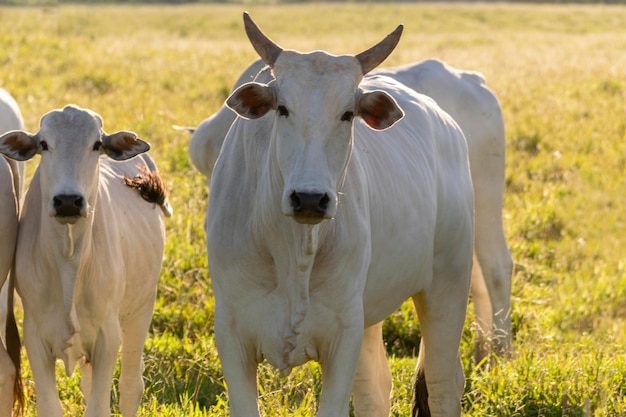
<point>560,73</point>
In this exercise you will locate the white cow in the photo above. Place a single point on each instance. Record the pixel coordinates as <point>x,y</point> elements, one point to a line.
<point>328,209</point>
<point>88,256</point>
<point>10,189</point>
<point>465,96</point>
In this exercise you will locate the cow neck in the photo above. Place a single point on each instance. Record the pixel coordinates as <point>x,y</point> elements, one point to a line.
<point>304,249</point>
<point>298,255</point>
<point>67,258</point>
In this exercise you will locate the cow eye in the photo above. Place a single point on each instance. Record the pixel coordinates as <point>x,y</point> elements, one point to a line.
<point>282,111</point>
<point>347,116</point>
<point>97,146</point>
<point>44,145</point>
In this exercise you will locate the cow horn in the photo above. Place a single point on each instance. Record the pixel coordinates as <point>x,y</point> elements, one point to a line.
<point>374,56</point>
<point>263,45</point>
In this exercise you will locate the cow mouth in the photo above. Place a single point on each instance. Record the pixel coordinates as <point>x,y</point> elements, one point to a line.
<point>67,219</point>
<point>308,218</point>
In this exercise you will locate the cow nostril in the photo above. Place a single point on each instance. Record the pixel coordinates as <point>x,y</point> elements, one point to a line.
<point>324,202</point>
<point>309,204</point>
<point>295,201</point>
<point>68,204</point>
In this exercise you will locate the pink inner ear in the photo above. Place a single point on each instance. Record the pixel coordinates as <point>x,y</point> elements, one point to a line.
<point>371,121</point>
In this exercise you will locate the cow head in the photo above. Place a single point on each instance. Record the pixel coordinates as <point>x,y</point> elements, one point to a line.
<point>315,97</point>
<point>70,142</point>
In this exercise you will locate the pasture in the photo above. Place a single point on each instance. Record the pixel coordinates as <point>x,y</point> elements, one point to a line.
<point>560,74</point>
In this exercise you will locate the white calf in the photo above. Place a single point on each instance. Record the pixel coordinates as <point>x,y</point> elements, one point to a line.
<point>88,256</point>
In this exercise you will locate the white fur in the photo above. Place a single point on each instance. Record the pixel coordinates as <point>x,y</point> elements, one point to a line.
<point>402,227</point>
<point>89,283</point>
<point>465,96</point>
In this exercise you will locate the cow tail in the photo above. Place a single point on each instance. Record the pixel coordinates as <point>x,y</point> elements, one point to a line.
<point>150,187</point>
<point>419,402</point>
<point>14,348</point>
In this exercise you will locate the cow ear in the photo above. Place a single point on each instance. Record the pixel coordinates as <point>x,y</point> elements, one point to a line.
<point>252,100</point>
<point>123,145</point>
<point>19,145</point>
<point>378,109</point>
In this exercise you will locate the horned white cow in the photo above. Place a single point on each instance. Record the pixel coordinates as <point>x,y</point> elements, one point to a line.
<point>88,255</point>
<point>328,209</point>
<point>465,96</point>
<point>10,189</point>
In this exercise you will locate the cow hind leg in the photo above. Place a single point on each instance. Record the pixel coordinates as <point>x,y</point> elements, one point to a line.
<point>493,256</point>
<point>484,315</point>
<point>441,313</point>
<point>419,401</point>
<point>372,382</point>
<point>496,265</point>
<point>134,334</point>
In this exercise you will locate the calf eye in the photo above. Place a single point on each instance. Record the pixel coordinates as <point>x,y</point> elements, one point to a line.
<point>282,110</point>
<point>44,145</point>
<point>347,116</point>
<point>97,146</point>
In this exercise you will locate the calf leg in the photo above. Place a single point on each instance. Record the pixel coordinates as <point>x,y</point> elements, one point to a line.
<point>372,382</point>
<point>85,380</point>
<point>7,378</point>
<point>42,365</point>
<point>134,332</point>
<point>103,359</point>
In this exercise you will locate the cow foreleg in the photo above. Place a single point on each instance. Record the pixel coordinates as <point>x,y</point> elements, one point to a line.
<point>339,360</point>
<point>103,359</point>
<point>442,315</point>
<point>239,368</point>
<point>42,364</point>
<point>372,382</point>
<point>134,334</point>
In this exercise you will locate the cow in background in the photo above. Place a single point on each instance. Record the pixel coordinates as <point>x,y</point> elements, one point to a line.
<point>11,177</point>
<point>92,220</point>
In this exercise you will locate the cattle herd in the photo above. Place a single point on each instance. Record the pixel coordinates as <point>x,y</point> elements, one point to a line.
<point>338,191</point>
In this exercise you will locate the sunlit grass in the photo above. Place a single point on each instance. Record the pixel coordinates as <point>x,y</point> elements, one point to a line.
<point>560,73</point>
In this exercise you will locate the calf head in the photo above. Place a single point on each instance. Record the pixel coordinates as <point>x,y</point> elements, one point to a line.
<point>70,142</point>
<point>315,97</point>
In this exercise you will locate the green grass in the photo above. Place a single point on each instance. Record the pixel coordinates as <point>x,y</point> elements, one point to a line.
<point>560,73</point>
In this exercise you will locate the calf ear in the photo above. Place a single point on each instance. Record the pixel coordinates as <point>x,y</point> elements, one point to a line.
<point>123,145</point>
<point>252,100</point>
<point>19,145</point>
<point>378,109</point>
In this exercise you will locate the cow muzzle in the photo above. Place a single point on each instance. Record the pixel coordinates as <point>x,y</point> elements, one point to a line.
<point>68,208</point>
<point>310,208</point>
